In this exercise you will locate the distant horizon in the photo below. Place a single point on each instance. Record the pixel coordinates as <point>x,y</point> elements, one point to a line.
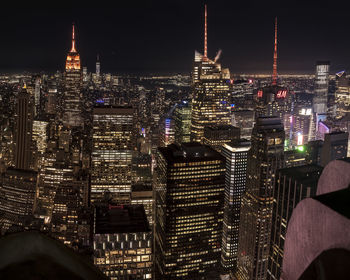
<point>155,72</point>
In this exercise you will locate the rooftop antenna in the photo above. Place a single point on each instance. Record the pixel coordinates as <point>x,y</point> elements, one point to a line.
<point>205,33</point>
<point>274,73</point>
<point>73,40</point>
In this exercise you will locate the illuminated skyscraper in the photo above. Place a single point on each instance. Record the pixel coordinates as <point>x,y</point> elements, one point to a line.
<point>264,158</point>
<point>167,132</point>
<point>321,87</point>
<point>113,145</point>
<point>98,66</point>
<point>122,242</point>
<point>23,132</point>
<point>56,171</point>
<point>301,125</point>
<point>70,219</point>
<point>37,96</point>
<point>235,183</point>
<point>292,185</point>
<point>51,104</point>
<point>72,104</point>
<point>157,108</point>
<point>245,120</point>
<point>39,141</point>
<point>342,94</point>
<point>39,135</point>
<point>189,196</point>
<point>182,118</point>
<point>211,93</point>
<point>274,100</point>
<point>142,194</point>
<point>17,192</point>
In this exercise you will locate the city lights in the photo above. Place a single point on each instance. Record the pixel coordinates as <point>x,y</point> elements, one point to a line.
<point>125,154</point>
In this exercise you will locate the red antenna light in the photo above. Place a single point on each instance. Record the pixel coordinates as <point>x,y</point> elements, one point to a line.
<point>205,33</point>
<point>274,74</point>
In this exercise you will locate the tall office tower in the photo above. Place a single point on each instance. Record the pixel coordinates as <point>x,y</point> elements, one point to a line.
<point>167,133</point>
<point>335,147</point>
<point>39,140</point>
<point>211,93</point>
<point>64,138</point>
<point>112,149</point>
<point>182,118</point>
<point>23,132</point>
<point>85,75</point>
<point>51,102</point>
<point>245,120</point>
<point>235,183</point>
<point>70,220</point>
<point>189,198</point>
<point>142,168</point>
<point>321,87</point>
<point>122,242</point>
<point>72,104</point>
<point>142,194</point>
<point>98,66</point>
<point>342,94</point>
<point>17,192</point>
<point>39,135</point>
<point>274,100</point>
<point>264,158</point>
<point>242,95</point>
<point>292,185</point>
<point>301,126</point>
<point>157,113</point>
<point>56,171</point>
<point>37,96</point>
<point>217,136</point>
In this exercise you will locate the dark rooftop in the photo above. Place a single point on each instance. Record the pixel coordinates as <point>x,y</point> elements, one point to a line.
<point>22,172</point>
<point>306,174</point>
<point>269,123</point>
<point>141,187</point>
<point>323,62</point>
<point>112,109</point>
<point>221,127</point>
<point>186,152</point>
<point>120,219</point>
<point>338,201</point>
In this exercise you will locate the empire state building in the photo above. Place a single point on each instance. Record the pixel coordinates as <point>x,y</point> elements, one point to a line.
<point>72,105</point>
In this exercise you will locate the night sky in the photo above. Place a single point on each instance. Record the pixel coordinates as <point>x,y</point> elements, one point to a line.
<point>161,36</point>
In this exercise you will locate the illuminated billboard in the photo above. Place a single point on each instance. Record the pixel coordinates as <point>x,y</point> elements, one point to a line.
<point>281,93</point>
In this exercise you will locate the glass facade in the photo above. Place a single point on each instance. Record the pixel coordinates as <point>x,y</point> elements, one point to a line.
<point>112,151</point>
<point>182,118</point>
<point>122,242</point>
<point>265,157</point>
<point>189,194</point>
<point>235,184</point>
<point>211,94</point>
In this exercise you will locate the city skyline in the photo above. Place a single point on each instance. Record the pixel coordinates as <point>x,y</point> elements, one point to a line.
<point>171,141</point>
<point>127,37</point>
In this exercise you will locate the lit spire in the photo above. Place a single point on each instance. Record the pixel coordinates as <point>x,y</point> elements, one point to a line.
<point>73,41</point>
<point>274,73</point>
<point>205,33</point>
